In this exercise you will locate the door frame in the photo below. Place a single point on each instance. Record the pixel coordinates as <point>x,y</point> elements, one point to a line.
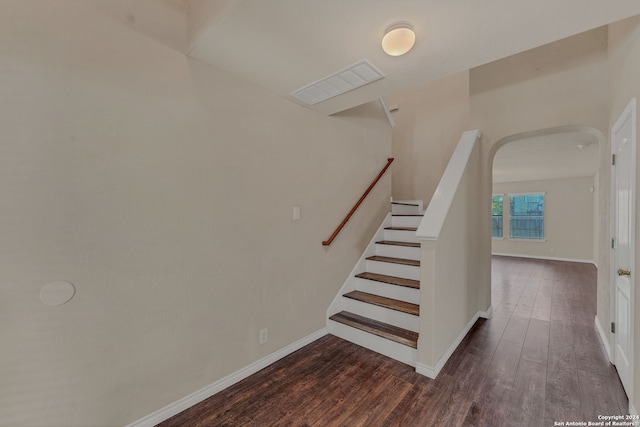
<point>629,113</point>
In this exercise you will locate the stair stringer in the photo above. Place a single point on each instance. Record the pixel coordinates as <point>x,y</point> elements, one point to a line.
<point>394,350</point>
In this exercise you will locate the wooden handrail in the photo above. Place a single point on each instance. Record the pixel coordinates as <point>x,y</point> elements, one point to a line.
<point>358,203</point>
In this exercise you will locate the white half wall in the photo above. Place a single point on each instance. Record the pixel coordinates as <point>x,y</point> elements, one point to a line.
<point>453,287</point>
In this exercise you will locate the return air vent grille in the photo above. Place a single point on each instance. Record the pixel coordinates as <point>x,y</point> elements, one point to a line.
<point>336,84</point>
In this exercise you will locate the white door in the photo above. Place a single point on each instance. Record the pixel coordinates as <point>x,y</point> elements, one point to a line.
<point>623,207</point>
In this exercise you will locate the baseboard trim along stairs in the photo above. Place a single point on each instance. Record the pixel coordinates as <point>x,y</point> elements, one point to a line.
<point>378,305</point>
<point>433,371</point>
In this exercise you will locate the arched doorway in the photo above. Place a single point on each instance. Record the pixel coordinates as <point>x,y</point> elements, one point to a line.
<point>529,170</point>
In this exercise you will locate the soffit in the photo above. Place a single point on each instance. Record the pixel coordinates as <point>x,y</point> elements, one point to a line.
<point>284,45</point>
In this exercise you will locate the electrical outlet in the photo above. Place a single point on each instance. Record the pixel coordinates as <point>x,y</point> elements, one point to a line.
<point>264,335</point>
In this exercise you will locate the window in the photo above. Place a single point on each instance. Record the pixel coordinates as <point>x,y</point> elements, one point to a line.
<point>527,216</point>
<point>496,216</point>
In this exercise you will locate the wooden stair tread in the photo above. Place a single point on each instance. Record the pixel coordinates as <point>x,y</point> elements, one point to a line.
<point>393,280</point>
<point>395,243</point>
<point>381,329</point>
<point>393,304</point>
<point>411,262</point>
<point>402,228</point>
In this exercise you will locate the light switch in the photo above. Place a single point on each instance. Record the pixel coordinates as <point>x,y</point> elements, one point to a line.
<point>296,212</point>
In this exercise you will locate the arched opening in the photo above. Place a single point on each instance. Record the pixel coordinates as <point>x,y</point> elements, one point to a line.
<point>545,194</point>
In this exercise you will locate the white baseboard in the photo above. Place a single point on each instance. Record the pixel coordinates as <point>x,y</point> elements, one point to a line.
<point>486,314</point>
<point>433,371</point>
<point>427,370</point>
<point>549,258</point>
<point>216,387</point>
<point>604,338</point>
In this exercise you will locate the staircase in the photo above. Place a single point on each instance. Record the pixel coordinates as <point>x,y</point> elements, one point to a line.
<point>378,306</point>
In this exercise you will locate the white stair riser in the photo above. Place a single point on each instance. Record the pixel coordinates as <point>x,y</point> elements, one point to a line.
<point>394,350</point>
<point>396,251</point>
<point>406,221</point>
<point>382,314</point>
<point>391,269</point>
<point>404,209</point>
<point>388,290</point>
<point>401,236</point>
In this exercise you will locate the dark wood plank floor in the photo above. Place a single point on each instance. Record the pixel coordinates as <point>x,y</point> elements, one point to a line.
<point>536,361</point>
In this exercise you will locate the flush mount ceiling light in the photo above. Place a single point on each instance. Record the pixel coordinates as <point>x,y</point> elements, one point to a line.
<point>398,39</point>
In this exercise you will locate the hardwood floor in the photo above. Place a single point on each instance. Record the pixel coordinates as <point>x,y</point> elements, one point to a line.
<point>536,361</point>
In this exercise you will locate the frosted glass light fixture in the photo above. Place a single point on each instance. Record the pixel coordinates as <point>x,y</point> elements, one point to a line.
<point>398,39</point>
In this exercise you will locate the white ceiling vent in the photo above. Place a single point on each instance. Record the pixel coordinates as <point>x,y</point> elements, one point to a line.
<point>336,84</point>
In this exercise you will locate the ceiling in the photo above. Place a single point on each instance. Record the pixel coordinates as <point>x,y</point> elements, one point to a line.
<point>562,155</point>
<point>283,45</point>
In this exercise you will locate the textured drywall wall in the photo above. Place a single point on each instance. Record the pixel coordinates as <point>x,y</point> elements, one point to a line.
<point>163,190</point>
<point>429,123</point>
<point>568,219</point>
<point>562,83</point>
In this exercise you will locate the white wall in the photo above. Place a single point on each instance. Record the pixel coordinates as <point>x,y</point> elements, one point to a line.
<point>428,126</point>
<point>163,189</point>
<point>568,219</point>
<point>562,83</point>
